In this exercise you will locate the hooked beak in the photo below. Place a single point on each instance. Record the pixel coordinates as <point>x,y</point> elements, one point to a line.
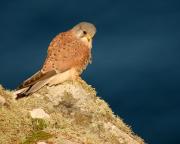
<point>89,38</point>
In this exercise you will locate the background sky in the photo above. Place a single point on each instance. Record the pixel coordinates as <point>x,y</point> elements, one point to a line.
<point>136,55</point>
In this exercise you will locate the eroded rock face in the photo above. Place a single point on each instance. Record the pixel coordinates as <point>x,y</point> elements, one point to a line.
<point>67,113</point>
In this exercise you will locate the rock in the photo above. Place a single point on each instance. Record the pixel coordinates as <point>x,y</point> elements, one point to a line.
<point>41,143</point>
<point>39,113</point>
<point>68,113</point>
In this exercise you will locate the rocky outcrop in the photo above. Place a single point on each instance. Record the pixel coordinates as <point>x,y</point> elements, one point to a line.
<point>69,113</point>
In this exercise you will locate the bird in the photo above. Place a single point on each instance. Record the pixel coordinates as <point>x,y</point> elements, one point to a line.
<point>68,55</point>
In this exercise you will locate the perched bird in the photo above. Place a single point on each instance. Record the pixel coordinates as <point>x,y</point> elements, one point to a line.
<point>68,55</point>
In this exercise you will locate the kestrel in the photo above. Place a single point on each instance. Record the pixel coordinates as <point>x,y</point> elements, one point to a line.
<point>68,55</point>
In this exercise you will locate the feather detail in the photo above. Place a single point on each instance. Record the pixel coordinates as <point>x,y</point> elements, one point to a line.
<point>34,83</point>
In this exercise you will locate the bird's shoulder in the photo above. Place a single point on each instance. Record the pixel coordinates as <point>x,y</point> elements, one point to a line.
<point>66,43</point>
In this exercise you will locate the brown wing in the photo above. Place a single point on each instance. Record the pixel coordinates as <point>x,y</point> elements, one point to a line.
<point>39,76</point>
<point>34,83</point>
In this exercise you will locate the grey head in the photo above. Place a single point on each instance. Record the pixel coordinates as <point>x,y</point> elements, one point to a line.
<point>85,30</point>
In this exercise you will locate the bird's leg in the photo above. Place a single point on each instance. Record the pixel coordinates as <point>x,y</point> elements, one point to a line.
<point>62,77</point>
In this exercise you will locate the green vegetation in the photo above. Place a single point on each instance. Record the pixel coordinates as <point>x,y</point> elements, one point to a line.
<point>36,136</point>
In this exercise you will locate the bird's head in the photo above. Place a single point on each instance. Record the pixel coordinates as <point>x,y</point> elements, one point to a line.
<point>85,31</point>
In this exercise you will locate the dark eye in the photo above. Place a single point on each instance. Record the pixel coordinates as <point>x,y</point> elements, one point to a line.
<point>84,32</point>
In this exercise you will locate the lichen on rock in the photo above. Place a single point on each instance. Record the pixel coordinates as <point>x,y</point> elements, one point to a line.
<point>68,113</point>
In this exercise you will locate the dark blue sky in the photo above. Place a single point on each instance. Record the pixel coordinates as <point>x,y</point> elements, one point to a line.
<point>136,55</point>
